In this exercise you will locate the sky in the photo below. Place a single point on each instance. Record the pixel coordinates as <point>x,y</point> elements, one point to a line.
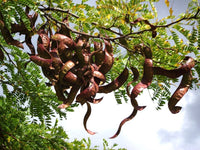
<point>150,129</point>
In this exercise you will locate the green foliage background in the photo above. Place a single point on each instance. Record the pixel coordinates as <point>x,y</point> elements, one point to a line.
<point>27,105</point>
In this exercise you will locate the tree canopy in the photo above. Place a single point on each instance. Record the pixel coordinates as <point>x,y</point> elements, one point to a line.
<point>57,54</point>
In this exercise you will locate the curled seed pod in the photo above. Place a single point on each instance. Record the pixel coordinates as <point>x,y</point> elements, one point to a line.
<point>136,76</point>
<point>59,91</point>
<point>175,73</point>
<point>131,116</point>
<point>108,59</point>
<point>71,96</point>
<point>117,83</point>
<point>62,38</point>
<point>43,37</point>
<point>56,61</point>
<point>145,82</point>
<point>107,64</point>
<point>99,76</point>
<point>70,78</point>
<point>99,55</point>
<point>65,68</point>
<point>88,93</point>
<point>41,61</point>
<point>180,92</point>
<point>42,51</point>
<point>64,30</point>
<point>87,115</point>
<point>146,79</point>
<point>30,44</point>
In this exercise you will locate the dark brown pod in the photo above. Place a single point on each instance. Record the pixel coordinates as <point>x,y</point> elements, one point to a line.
<point>65,68</point>
<point>42,51</point>
<point>131,116</point>
<point>108,60</point>
<point>99,76</point>
<point>99,53</point>
<point>62,38</point>
<point>180,92</point>
<point>87,115</point>
<point>88,93</point>
<point>117,83</point>
<point>41,61</point>
<point>64,30</point>
<point>145,82</point>
<point>175,73</point>
<point>70,78</point>
<point>72,94</point>
<point>44,38</point>
<point>136,76</point>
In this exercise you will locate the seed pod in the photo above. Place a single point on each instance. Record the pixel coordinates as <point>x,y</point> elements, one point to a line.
<point>43,38</point>
<point>99,76</point>
<point>131,116</point>
<point>41,61</point>
<point>70,78</point>
<point>56,61</point>
<point>145,82</point>
<point>117,83</point>
<point>42,51</point>
<point>59,91</point>
<point>62,38</point>
<point>136,76</point>
<point>98,56</point>
<point>175,73</point>
<point>108,59</point>
<point>72,94</point>
<point>87,115</point>
<point>65,68</point>
<point>88,93</point>
<point>180,92</point>
<point>64,30</point>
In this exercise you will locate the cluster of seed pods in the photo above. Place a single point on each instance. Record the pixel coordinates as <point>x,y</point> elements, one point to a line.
<point>78,71</point>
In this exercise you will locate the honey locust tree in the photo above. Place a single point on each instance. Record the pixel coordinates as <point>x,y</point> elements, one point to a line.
<point>80,50</point>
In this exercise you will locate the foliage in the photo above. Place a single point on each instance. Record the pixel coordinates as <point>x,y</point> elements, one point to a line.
<point>25,95</point>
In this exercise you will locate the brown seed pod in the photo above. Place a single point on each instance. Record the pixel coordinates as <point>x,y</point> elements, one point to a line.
<point>88,93</point>
<point>117,83</point>
<point>131,116</point>
<point>175,73</point>
<point>65,68</point>
<point>62,38</point>
<point>43,37</point>
<point>180,92</point>
<point>136,76</point>
<point>41,61</point>
<point>99,55</point>
<point>87,115</point>
<point>42,51</point>
<point>71,96</point>
<point>64,30</point>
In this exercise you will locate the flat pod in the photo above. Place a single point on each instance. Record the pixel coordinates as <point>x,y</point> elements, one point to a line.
<point>180,92</point>
<point>175,73</point>
<point>88,93</point>
<point>41,61</point>
<point>65,68</point>
<point>62,38</point>
<point>71,96</point>
<point>42,51</point>
<point>87,115</point>
<point>117,83</point>
<point>136,76</point>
